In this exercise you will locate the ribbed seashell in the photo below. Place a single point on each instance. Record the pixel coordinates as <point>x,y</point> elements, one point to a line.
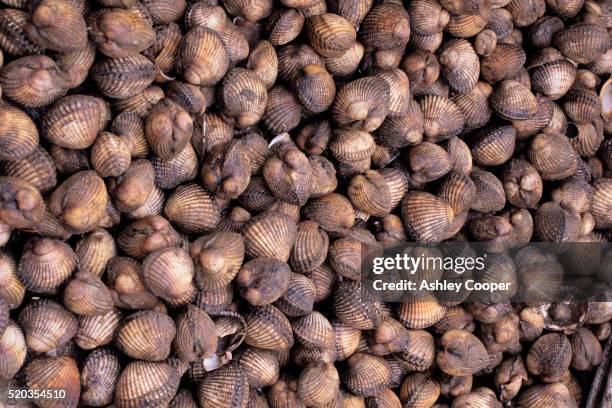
<point>169,273</point>
<point>13,38</point>
<point>511,100</point>
<point>587,352</point>
<point>68,161</point>
<point>349,146</point>
<point>45,264</point>
<point>45,373</point>
<point>362,104</point>
<point>261,367</point>
<point>333,212</point>
<point>37,168</point>
<point>11,288</point>
<point>168,129</point>
<point>257,196</point>
<point>164,11</point>
<point>196,335</point>
<point>13,350</point>
<point>549,357</point>
<point>391,336</point>
<point>270,235</point>
<point>355,306</point>
<point>21,205</point>
<point>442,118</point>
<point>284,25</point>
<point>542,32</point>
<point>125,77</point>
<point>110,155</point>
<point>153,205</point>
<point>203,59</point>
<point>287,172</point>
<point>399,96</point>
<point>225,387</point>
<point>310,248</point>
<point>420,352</point>
<point>602,203</point>
<point>574,195</point>
<point>460,65</point>
<point>458,190</point>
<point>47,325</point>
<point>315,88</point>
<point>33,81</point>
<point>330,34</point>
<point>522,184</point>
<point>553,79</point>
<point>183,399</point>
<point>324,179</point>
<point>86,295</point>
<point>292,58</point>
<point>18,134</point>
<point>503,63</point>
<point>246,108</point>
<point>192,209</point>
<point>420,313</point>
<point>352,11</point>
<point>206,15</point>
<point>428,162</point>
<point>126,282</point>
<point>475,106</point>
<point>367,375</point>
<point>256,150</point>
<point>146,335</point>
<point>134,187</point>
<point>148,235</point>
<point>582,42</point>
<point>461,353</point>
<point>428,17</point>
<point>318,384</point>
<point>264,62</point>
<point>494,146</point>
<point>552,223</point>
<point>462,6</point>
<point>323,279</point>
<point>346,340</point>
<point>479,398</point>
<point>526,12</point>
<point>283,111</point>
<point>263,280</point>
<point>120,33</point>
<point>236,43</point>
<point>485,42</point>
<point>314,137</point>
<point>346,64</point>
<point>99,376</point>
<point>386,26</point>
<point>96,331</point>
<point>299,297</point>
<point>75,121</point>
<point>553,156</point>
<point>313,330</point>
<point>178,170</point>
<point>140,103</point>
<point>268,328</point>
<point>44,27</point>
<point>419,390</point>
<point>582,106</point>
<point>404,130</point>
<point>468,25</point>
<point>80,201</point>
<point>602,64</point>
<point>164,50</point>
<point>226,171</point>
<point>77,64</point>
<point>588,139</point>
<point>370,193</point>
<point>162,382</point>
<point>526,128</point>
<point>540,396</point>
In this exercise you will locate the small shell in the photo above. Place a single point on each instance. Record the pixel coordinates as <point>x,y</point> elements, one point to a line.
<point>164,50</point>
<point>47,325</point>
<point>503,63</point>
<point>386,26</point>
<point>95,331</point>
<point>370,194</point>
<point>494,146</point>
<point>45,264</point>
<point>420,313</point>
<point>475,106</point>
<point>45,373</point>
<point>284,25</point>
<point>125,77</point>
<point>13,38</point>
<point>178,170</point>
<point>33,81</point>
<point>428,17</point>
<point>110,155</point>
<point>261,367</point>
<point>270,235</point>
<point>99,376</point>
<point>283,111</point>
<point>404,130</point>
<point>541,396</point>
<point>315,88</point>
<point>512,100</point>
<point>37,168</point>
<point>350,146</point>
<point>268,328</point>
<point>44,27</point>
<point>18,134</point>
<point>553,79</point>
<point>469,25</point>
<point>310,248</point>
<point>263,280</point>
<point>461,353</point>
<point>553,156</point>
<point>168,129</point>
<point>192,209</point>
<point>246,108</point>
<point>582,106</point>
<point>442,118</point>
<point>203,59</point>
<point>318,384</point>
<point>522,184</point>
<point>549,357</point>
<point>196,335</point>
<point>333,212</point>
<point>367,375</point>
<point>264,62</point>
<point>146,335</point>
<point>299,297</point>
<point>428,162</point>
<point>287,172</point>
<point>168,273</point>
<point>347,63</point>
<point>13,350</point>
<point>225,387</point>
<point>86,295</point>
<point>362,104</point>
<point>292,58</point>
<point>602,203</point>
<point>582,42</point>
<point>161,385</point>
<point>419,390</point>
<point>355,306</point>
<point>329,34</point>
<point>164,11</point>
<point>141,103</point>
<point>120,33</point>
<point>460,65</point>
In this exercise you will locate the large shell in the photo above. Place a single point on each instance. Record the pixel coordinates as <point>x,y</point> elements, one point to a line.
<point>333,212</point>
<point>553,156</point>
<point>13,39</point>
<point>33,81</point>
<point>315,88</point>
<point>284,25</point>
<point>554,78</point>
<point>461,353</point>
<point>196,335</point>
<point>420,313</point>
<point>442,118</point>
<point>283,110</point>
<point>264,62</point>
<point>370,193</point>
<point>494,146</point>
<point>45,264</point>
<point>203,59</point>
<point>37,168</point>
<point>123,77</point>
<point>268,328</point>
<point>546,395</point>
<point>582,42</point>
<point>287,172</point>
<point>263,280</point>
<point>96,331</point>
<point>168,273</point>
<point>503,63</point>
<point>47,325</point>
<point>428,16</point>
<point>367,375</point>
<point>246,108</point>
<point>318,383</point>
<point>45,373</point>
<point>86,295</point>
<point>549,357</point>
<point>386,26</point>
<point>192,209</point>
<point>355,306</point>
<point>57,25</point>
<point>162,381</point>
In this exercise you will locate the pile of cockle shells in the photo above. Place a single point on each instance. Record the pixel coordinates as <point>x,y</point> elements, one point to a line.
<point>187,190</point>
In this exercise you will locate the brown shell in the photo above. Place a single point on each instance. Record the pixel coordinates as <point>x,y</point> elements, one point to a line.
<point>355,306</point>
<point>95,250</point>
<point>494,146</point>
<point>287,172</point>
<point>370,193</point>
<point>428,162</point>
<point>270,235</point>
<point>602,203</point>
<point>120,33</point>
<point>164,50</point>
<point>428,17</point>
<point>386,26</point>
<point>261,367</point>
<point>284,25</point>
<point>44,373</point>
<point>178,170</point>
<point>264,62</point>
<point>226,170</point>
<point>224,388</point>
<point>161,385</point>
<point>333,212</point>
<point>540,396</point>
<point>553,156</point>
<point>330,34</point>
<point>246,108</point>
<point>420,313</point>
<point>582,42</point>
<point>299,297</point>
<point>18,134</point>
<point>125,77</point>
<point>164,11</point>
<point>522,184</point>
<point>315,88</point>
<point>110,155</point>
<point>141,103</point>
<point>57,25</point>
<point>192,209</point>
<point>33,81</point>
<point>468,25</point>
<point>268,328</point>
<point>503,63</point>
<point>86,295</point>
<point>168,273</point>
<point>367,375</point>
<point>263,280</point>
<point>292,58</point>
<point>461,353</point>
<point>46,264</point>
<point>99,375</point>
<point>442,118</point>
<point>318,384</point>
<point>196,335</point>
<point>146,335</point>
<point>419,389</point>
<point>203,59</point>
<point>582,106</point>
<point>13,350</point>
<point>283,111</point>
<point>168,129</point>
<point>218,258</point>
<point>310,248</point>
<point>37,168</point>
<point>511,100</point>
<point>47,325</point>
<point>475,106</point>
<point>404,130</point>
<point>362,104</point>
<point>11,288</point>
<point>134,187</point>
<point>347,63</point>
<point>549,357</point>
<point>460,65</point>
<point>13,38</point>
<point>351,146</point>
<point>554,78</point>
<point>96,331</point>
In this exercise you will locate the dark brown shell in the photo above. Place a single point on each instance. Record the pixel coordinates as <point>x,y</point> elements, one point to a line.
<point>33,81</point>
<point>283,110</point>
<point>330,34</point>
<point>196,335</point>
<point>47,325</point>
<point>553,156</point>
<point>192,209</point>
<point>146,335</point>
<point>57,25</point>
<point>243,96</point>
<point>120,33</point>
<point>264,62</point>
<point>18,134</point>
<point>46,264</point>
<point>460,65</point>
<point>163,382</point>
<point>284,25</point>
<point>362,104</point>
<point>503,63</point>
<point>554,78</point>
<point>582,42</point>
<point>164,50</point>
<point>315,88</point>
<point>494,146</point>
<point>522,184</point>
<point>271,235</point>
<point>386,26</point>
<point>442,119</point>
<point>13,38</point>
<point>263,280</point>
<point>44,373</point>
<point>355,306</point>
<point>549,357</point>
<point>203,59</point>
<point>512,100</point>
<point>86,295</point>
<point>428,16</point>
<point>461,353</point>
<point>428,162</point>
<point>99,376</point>
<point>141,103</point>
<point>125,77</point>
